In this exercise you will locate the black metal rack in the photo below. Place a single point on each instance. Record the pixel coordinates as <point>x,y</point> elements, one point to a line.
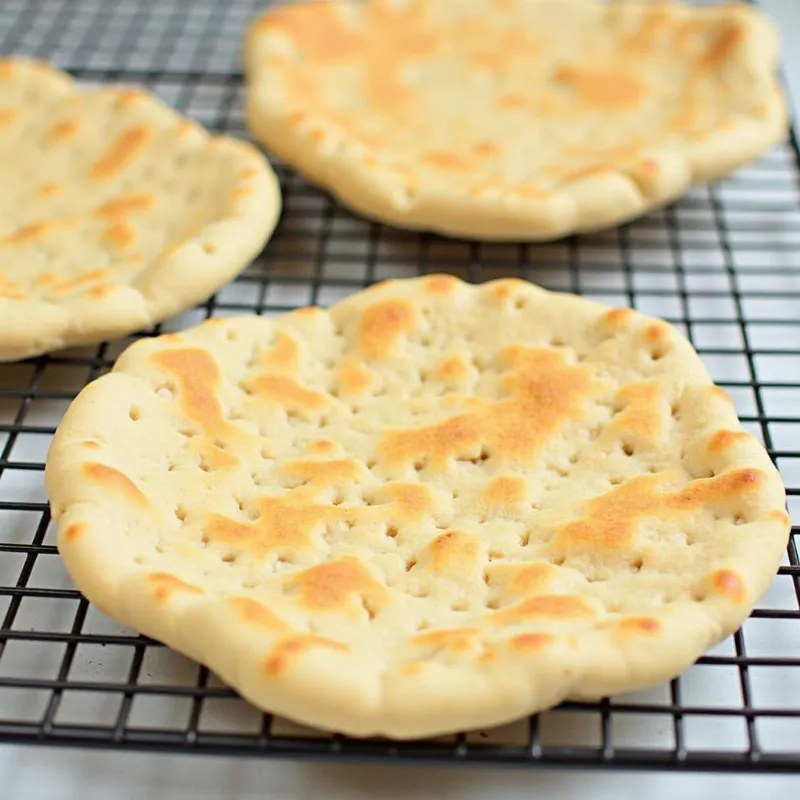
<point>723,264</point>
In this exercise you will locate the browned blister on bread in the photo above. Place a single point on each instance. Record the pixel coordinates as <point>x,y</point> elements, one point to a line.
<point>434,506</point>
<point>512,119</point>
<point>116,211</point>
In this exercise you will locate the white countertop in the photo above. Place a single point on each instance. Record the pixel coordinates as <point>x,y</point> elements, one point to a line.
<point>35,773</point>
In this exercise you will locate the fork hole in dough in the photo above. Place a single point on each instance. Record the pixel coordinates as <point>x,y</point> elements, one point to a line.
<point>135,413</point>
<point>180,513</point>
<point>460,606</point>
<point>166,390</point>
<point>209,248</point>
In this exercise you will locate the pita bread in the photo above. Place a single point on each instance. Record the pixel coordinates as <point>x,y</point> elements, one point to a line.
<point>116,211</point>
<point>511,119</point>
<point>435,506</point>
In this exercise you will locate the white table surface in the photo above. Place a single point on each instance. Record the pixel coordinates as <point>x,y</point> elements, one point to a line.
<point>28,773</point>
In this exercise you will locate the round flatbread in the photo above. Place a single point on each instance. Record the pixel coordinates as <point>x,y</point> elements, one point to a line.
<point>512,119</point>
<point>116,211</point>
<point>433,507</point>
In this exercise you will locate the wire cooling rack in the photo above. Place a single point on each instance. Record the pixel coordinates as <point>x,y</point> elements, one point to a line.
<point>723,265</point>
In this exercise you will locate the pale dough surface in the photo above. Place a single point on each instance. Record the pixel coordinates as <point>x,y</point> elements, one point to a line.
<point>435,506</point>
<point>115,212</point>
<point>512,119</point>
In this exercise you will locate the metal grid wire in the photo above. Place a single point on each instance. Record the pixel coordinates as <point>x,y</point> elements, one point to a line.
<point>723,265</point>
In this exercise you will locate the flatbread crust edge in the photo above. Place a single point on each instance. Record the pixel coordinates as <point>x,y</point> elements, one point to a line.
<point>191,271</point>
<point>585,205</point>
<point>335,689</point>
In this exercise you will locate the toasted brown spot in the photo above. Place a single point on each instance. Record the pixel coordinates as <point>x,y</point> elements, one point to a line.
<point>287,651</point>
<point>7,116</point>
<point>129,97</point>
<point>411,667</point>
<point>324,473</point>
<point>506,288</point>
<point>545,391</point>
<point>446,161</point>
<point>338,586</point>
<point>8,67</point>
<point>721,394</point>
<point>383,324</point>
<point>119,236</point>
<point>611,520</point>
<point>728,583</point>
<point>656,332</point>
<point>79,281</point>
<point>514,100</point>
<point>619,317</point>
<point>639,625</point>
<point>286,526</point>
<point>49,189</point>
<point>645,411</point>
<point>257,615</point>
<point>452,368</point>
<point>239,192</point>
<point>65,129</point>
<point>121,152</point>
<point>114,482</point>
<point>31,232</point>
<point>723,440</point>
<point>286,393</point>
<point>45,279</point>
<point>198,378</point>
<point>353,377</point>
<point>505,492</point>
<point>518,581</point>
<point>283,356</point>
<point>531,641</point>
<point>609,91</point>
<point>546,606</point>
<point>454,554</point>
<point>441,284</point>
<point>125,204</point>
<point>486,148</point>
<point>165,585</point>
<point>100,291</point>
<point>91,444</point>
<point>457,640</point>
<point>323,447</point>
<point>412,501</point>
<point>212,456</point>
<point>780,516</point>
<point>74,531</point>
<point>723,47</point>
